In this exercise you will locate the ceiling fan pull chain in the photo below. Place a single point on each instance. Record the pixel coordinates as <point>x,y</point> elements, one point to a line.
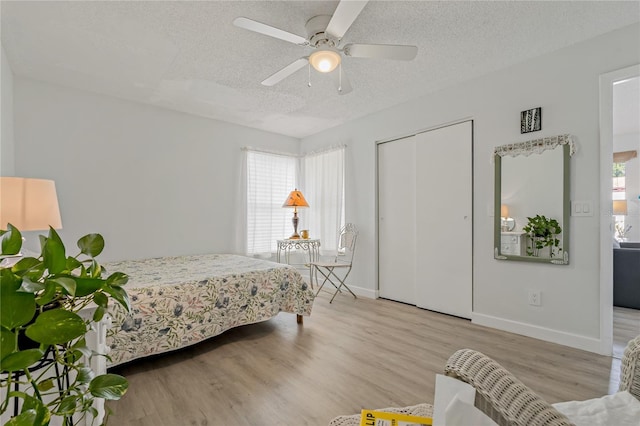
<point>340,78</point>
<point>309,67</point>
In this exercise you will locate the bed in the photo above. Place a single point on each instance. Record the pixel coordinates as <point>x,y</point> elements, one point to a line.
<point>180,301</point>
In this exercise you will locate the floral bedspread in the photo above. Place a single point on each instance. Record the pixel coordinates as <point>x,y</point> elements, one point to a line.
<point>179,301</point>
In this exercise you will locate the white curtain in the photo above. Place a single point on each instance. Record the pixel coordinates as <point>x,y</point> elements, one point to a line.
<point>323,188</point>
<point>241,208</point>
<point>270,179</point>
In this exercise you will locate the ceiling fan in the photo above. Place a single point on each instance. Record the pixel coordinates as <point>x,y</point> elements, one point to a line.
<point>324,35</point>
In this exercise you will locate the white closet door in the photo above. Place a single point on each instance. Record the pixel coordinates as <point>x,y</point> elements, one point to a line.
<point>396,220</point>
<point>444,220</point>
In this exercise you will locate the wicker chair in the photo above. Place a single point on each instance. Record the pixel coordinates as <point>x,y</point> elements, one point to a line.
<point>630,368</point>
<point>506,399</point>
<point>509,402</point>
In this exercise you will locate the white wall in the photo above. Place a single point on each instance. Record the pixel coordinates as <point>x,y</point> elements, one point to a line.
<point>157,182</point>
<point>6,114</point>
<point>152,181</point>
<point>565,85</point>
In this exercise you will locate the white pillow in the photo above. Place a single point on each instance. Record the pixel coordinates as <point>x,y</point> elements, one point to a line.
<point>453,404</point>
<point>619,409</point>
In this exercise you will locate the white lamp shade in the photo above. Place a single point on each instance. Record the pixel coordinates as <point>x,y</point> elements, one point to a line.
<point>29,204</point>
<point>620,207</point>
<point>324,60</point>
<point>504,210</point>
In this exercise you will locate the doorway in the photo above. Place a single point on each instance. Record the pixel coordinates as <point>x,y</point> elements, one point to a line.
<point>619,131</point>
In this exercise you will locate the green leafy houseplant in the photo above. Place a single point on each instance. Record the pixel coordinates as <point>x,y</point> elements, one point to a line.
<point>542,233</point>
<point>40,299</point>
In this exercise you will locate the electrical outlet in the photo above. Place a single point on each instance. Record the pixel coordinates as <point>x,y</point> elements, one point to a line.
<point>534,298</point>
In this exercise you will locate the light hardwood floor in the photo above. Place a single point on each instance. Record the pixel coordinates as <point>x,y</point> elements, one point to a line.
<point>349,355</point>
<point>626,326</point>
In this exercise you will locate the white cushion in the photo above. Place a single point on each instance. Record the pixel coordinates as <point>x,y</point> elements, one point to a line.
<point>453,404</point>
<point>619,409</point>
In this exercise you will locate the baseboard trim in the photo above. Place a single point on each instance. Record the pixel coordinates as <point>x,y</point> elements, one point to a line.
<point>364,292</point>
<point>562,338</point>
<point>359,291</point>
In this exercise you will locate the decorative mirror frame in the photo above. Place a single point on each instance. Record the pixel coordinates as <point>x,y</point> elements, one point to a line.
<point>535,146</point>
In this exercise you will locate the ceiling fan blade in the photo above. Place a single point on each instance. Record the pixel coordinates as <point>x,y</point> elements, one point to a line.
<point>346,12</point>
<point>341,81</point>
<point>285,72</point>
<point>259,27</point>
<point>381,51</point>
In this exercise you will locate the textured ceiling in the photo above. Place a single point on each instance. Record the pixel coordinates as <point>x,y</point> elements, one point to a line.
<point>188,56</point>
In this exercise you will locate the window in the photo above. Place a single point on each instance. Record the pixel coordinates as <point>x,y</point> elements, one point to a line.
<point>271,177</point>
<point>619,200</point>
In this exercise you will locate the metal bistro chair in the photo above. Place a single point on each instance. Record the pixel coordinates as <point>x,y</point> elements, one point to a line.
<point>342,261</point>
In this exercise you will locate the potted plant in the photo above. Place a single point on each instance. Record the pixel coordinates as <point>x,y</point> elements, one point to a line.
<point>622,231</point>
<point>42,336</point>
<point>542,233</point>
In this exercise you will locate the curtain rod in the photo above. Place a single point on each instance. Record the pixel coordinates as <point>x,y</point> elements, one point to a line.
<point>326,149</point>
<point>268,151</point>
<point>290,154</point>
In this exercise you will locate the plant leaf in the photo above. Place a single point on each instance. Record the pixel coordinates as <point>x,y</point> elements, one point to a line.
<point>72,356</point>
<point>81,346</point>
<point>68,284</point>
<point>34,273</point>
<point>120,295</point>
<point>85,375</point>
<point>91,244</point>
<point>108,386</point>
<point>86,286</point>
<point>11,240</point>
<point>53,255</point>
<point>48,294</point>
<point>95,270</point>
<point>46,385</point>
<point>67,406</point>
<point>20,360</point>
<point>42,413</point>
<point>117,279</point>
<point>43,240</point>
<point>79,343</point>
<point>98,314</point>
<point>26,418</point>
<point>7,342</point>
<point>16,308</point>
<point>29,286</point>
<point>73,263</point>
<point>53,235</point>
<point>25,264</point>
<point>56,326</point>
<point>100,299</point>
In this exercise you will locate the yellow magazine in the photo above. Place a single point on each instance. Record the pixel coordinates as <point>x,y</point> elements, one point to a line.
<point>382,418</point>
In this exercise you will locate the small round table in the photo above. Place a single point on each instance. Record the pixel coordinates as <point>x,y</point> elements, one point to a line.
<point>310,246</point>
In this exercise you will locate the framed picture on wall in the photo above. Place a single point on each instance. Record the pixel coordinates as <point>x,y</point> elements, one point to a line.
<point>531,120</point>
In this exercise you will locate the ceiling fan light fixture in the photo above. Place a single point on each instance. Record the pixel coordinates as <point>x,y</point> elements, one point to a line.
<point>324,60</point>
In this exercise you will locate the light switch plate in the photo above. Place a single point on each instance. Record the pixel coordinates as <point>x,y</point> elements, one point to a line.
<point>581,208</point>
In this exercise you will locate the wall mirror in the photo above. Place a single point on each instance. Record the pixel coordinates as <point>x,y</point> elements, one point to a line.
<point>532,200</point>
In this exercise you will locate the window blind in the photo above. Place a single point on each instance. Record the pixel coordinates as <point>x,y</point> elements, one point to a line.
<point>270,178</point>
